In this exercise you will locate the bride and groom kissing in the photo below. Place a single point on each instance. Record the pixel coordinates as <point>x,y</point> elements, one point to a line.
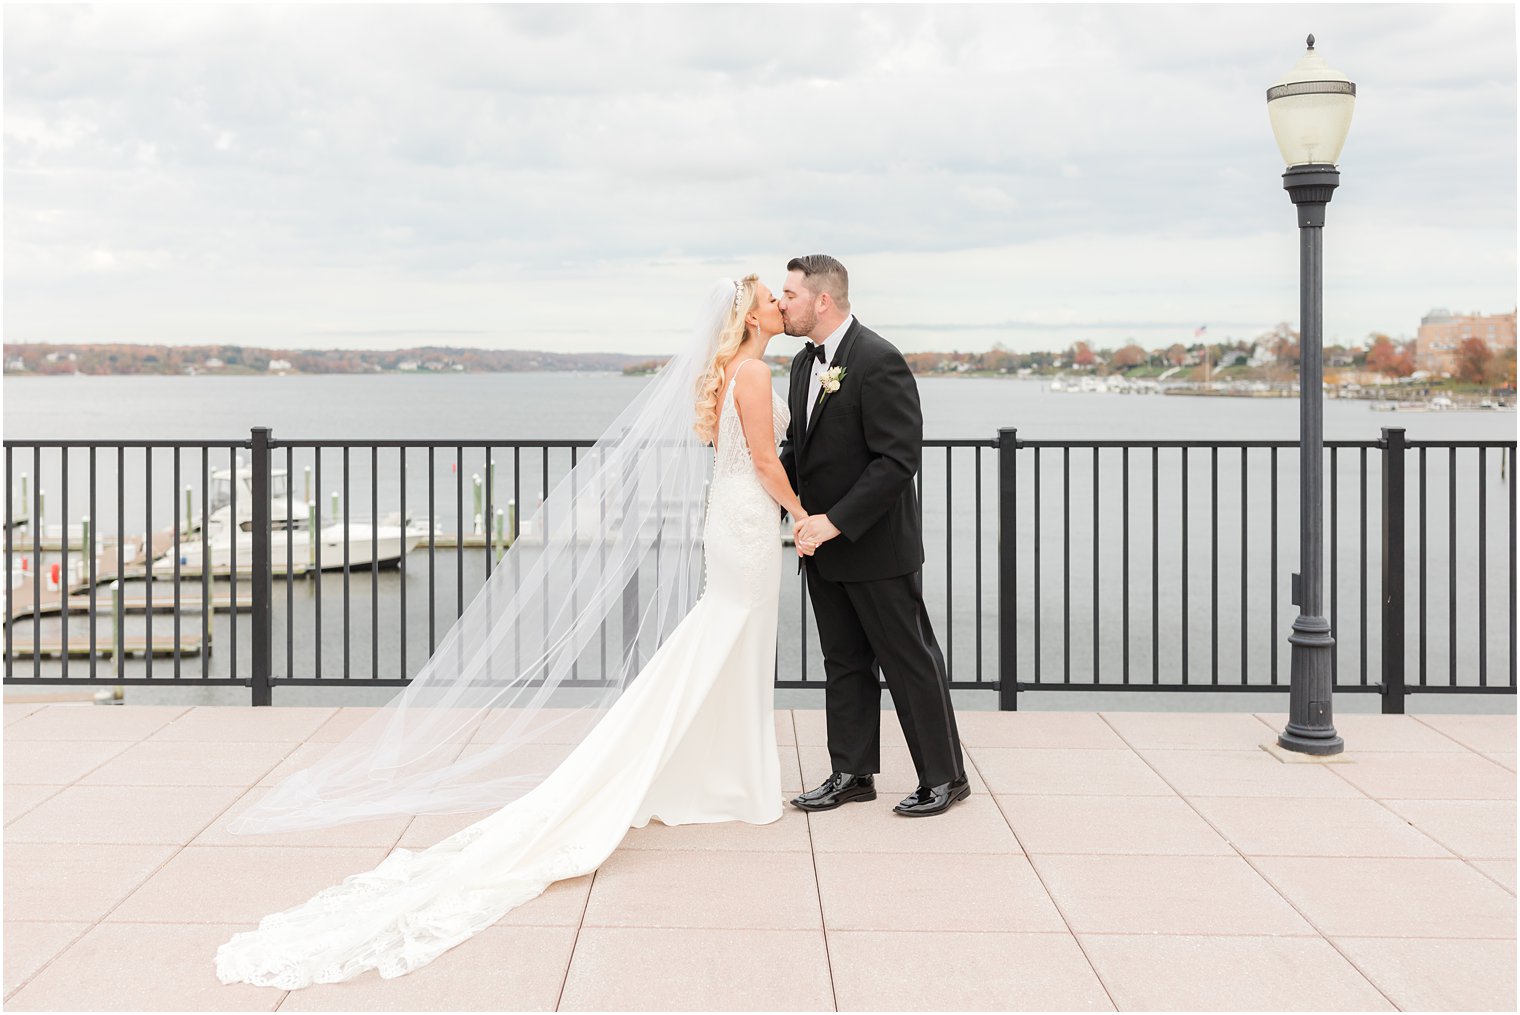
<point>692,738</point>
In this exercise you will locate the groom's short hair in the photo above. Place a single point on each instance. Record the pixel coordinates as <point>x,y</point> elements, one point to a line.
<point>825,275</point>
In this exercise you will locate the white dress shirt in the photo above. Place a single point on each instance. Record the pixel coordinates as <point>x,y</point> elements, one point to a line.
<point>830,349</point>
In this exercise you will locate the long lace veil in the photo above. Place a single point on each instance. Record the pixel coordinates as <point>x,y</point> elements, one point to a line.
<point>593,585</point>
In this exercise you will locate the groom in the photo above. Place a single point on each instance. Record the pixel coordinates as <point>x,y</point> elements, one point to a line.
<point>851,452</point>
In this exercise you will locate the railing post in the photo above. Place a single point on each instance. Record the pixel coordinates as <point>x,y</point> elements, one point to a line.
<point>1392,693</point>
<point>1008,628</point>
<point>263,581</point>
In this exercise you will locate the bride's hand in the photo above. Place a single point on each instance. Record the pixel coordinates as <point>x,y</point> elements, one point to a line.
<point>797,522</point>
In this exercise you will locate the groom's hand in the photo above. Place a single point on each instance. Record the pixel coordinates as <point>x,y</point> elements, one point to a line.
<point>813,532</point>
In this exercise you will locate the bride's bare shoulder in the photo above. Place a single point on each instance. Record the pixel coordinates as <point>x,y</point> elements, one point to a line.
<point>752,382</point>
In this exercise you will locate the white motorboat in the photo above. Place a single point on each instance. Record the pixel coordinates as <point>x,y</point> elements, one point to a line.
<point>292,547</point>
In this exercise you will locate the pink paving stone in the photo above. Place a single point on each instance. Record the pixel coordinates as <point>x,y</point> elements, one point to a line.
<point>30,945</point>
<point>1469,828</point>
<point>946,971</point>
<point>1190,730</point>
<point>1400,775</point>
<point>691,969</point>
<point>499,969</point>
<point>977,899</point>
<point>223,723</point>
<point>1063,730</point>
<point>1316,826</point>
<point>1506,760</point>
<point>1479,732</point>
<point>791,770</point>
<point>710,888</point>
<point>1046,771</point>
<point>384,832</point>
<point>170,763</point>
<point>1501,872</point>
<point>1110,824</point>
<point>217,884</point>
<point>303,756</point>
<point>1429,974</point>
<point>20,799</point>
<point>135,814</point>
<point>933,892</point>
<point>786,730</point>
<point>1165,895</point>
<point>1253,773</point>
<point>90,722</point>
<point>1189,973</point>
<point>142,967</point>
<point>1388,897</point>
<point>57,762</point>
<point>974,825</point>
<point>20,710</point>
<point>352,719</point>
<point>62,881</point>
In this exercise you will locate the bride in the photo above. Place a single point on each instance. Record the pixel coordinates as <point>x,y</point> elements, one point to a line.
<point>680,729</point>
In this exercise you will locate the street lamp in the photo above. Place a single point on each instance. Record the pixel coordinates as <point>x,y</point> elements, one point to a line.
<point>1310,109</point>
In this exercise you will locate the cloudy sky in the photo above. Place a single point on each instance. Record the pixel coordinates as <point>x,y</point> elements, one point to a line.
<point>572,177</point>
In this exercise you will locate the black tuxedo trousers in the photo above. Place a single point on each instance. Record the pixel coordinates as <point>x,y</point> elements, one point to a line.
<point>883,623</point>
<point>854,460</point>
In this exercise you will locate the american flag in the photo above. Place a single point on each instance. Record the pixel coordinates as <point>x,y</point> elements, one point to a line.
<point>1198,333</point>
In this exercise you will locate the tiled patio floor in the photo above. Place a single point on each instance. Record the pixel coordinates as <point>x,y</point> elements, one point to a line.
<point>1115,860</point>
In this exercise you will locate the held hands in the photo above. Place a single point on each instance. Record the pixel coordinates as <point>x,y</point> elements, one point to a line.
<point>811,532</point>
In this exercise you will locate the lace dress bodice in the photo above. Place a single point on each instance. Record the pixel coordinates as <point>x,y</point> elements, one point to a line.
<point>743,522</point>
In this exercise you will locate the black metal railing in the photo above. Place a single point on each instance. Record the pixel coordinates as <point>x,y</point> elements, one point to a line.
<point>1117,565</point>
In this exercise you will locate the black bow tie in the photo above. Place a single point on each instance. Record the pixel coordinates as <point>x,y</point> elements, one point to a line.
<point>817,351</point>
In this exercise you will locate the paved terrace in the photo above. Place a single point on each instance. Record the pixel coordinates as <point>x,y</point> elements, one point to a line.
<point>1106,860</point>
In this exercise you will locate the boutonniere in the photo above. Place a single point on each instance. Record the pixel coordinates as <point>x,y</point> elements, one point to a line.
<point>829,381</point>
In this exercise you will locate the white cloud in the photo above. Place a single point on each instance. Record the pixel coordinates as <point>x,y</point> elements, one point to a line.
<point>326,175</point>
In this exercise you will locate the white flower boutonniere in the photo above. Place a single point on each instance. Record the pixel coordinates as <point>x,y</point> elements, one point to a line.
<point>829,382</point>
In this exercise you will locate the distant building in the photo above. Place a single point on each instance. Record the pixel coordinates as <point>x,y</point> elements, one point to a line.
<point>279,364</point>
<point>16,365</point>
<point>213,363</point>
<point>409,364</point>
<point>1442,333</point>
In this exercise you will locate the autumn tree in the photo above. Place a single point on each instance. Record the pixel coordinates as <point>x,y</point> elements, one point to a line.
<point>1129,356</point>
<point>1472,360</point>
<point>1387,357</point>
<point>1081,355</point>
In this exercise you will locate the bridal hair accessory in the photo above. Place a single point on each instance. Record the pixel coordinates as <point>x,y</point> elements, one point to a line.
<point>598,578</point>
<point>738,293</point>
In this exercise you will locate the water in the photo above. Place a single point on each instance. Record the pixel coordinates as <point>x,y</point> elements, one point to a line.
<point>1239,639</point>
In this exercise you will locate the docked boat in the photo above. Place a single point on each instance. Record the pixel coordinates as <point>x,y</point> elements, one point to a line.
<point>293,547</point>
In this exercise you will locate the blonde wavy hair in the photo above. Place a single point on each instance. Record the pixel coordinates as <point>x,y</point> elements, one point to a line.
<point>730,337</point>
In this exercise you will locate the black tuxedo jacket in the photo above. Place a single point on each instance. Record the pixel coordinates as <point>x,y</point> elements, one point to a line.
<point>856,459</point>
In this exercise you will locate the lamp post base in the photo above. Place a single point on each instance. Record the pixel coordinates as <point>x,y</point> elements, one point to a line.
<point>1310,729</point>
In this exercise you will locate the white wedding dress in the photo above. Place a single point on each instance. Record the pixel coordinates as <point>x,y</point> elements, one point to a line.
<point>691,740</point>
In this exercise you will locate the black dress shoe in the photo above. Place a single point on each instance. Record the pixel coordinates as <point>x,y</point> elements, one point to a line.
<point>928,800</point>
<point>838,788</point>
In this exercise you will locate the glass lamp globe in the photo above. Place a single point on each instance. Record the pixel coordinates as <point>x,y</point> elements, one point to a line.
<point>1310,109</point>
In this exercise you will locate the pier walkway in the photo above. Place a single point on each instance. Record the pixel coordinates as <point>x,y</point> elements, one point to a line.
<point>1113,860</point>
